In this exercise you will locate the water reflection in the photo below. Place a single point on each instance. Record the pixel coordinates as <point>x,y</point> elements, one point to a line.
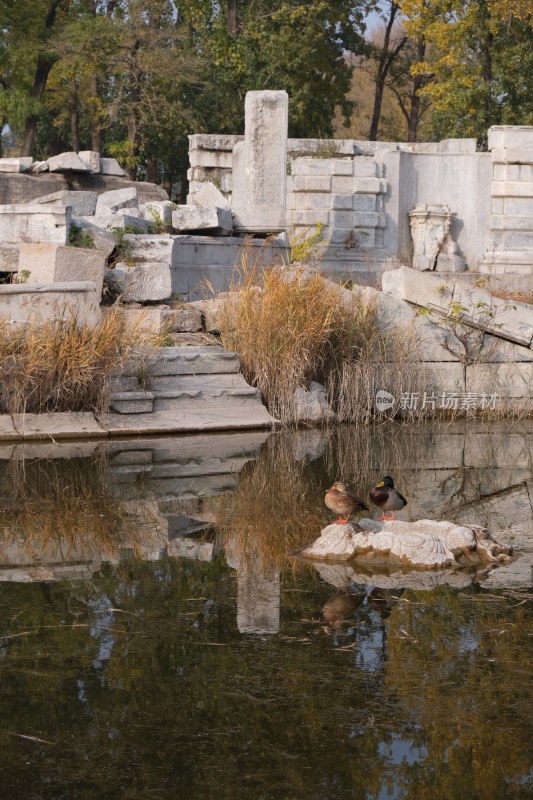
<point>155,628</point>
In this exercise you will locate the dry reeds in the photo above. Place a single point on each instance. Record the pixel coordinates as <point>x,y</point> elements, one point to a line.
<point>60,508</point>
<point>62,365</point>
<point>294,327</point>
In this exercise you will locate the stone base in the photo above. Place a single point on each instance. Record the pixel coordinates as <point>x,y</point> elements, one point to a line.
<point>509,262</point>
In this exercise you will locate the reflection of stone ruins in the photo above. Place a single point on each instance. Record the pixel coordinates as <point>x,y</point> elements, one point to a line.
<point>442,208</point>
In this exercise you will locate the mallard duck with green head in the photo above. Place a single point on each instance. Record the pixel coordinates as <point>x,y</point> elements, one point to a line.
<point>386,497</point>
<point>339,500</point>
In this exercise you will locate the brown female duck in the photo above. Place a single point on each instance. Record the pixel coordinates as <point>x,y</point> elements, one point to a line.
<point>339,500</point>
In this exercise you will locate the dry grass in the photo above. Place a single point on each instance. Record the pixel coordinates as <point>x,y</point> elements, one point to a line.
<point>63,365</point>
<point>293,327</point>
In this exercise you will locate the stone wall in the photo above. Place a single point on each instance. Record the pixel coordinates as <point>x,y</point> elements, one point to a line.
<point>361,193</point>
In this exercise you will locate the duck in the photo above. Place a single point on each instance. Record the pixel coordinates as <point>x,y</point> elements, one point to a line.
<point>386,497</point>
<point>339,500</point>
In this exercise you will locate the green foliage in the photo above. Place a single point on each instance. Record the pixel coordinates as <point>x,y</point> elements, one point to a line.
<point>305,245</point>
<point>77,237</point>
<point>478,67</point>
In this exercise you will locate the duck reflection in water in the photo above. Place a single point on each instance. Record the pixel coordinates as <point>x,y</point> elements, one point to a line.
<point>340,607</point>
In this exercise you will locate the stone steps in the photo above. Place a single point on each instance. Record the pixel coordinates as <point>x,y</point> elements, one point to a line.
<point>185,389</point>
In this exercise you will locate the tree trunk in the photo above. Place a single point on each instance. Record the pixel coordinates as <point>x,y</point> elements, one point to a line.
<point>74,117</point>
<point>385,61</point>
<point>44,65</point>
<point>232,16</point>
<point>151,170</point>
<point>418,82</point>
<point>95,127</point>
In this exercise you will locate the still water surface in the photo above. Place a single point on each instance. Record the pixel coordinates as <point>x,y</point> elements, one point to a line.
<point>160,640</point>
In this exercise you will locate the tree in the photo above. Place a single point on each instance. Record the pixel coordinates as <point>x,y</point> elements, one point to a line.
<point>385,56</point>
<point>479,57</point>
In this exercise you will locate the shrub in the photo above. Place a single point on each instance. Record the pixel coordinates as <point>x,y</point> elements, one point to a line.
<point>292,327</point>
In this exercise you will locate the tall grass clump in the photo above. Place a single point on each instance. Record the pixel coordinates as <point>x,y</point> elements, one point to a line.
<point>62,365</point>
<point>293,327</point>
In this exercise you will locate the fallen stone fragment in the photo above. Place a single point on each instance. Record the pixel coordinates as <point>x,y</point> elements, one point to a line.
<point>22,164</point>
<point>91,159</point>
<point>110,166</point>
<point>83,204</point>
<point>51,263</point>
<point>102,239</point>
<point>66,162</point>
<point>192,218</point>
<point>426,543</point>
<point>312,405</point>
<point>112,201</point>
<point>208,197</point>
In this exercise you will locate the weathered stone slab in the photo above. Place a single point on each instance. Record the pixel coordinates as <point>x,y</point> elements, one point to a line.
<point>419,288</point>
<point>67,162</point>
<point>59,425</point>
<point>91,159</point>
<point>114,200</point>
<point>83,204</point>
<point>182,320</point>
<point>7,429</point>
<point>103,240</point>
<point>34,223</point>
<point>481,310</point>
<point>209,197</point>
<point>192,218</point>
<point>520,136</point>
<point>40,302</point>
<point>185,421</point>
<point>127,219</point>
<point>110,166</point>
<point>159,213</point>
<point>50,263</point>
<point>9,257</point>
<point>147,282</point>
<point>16,164</point>
<point>151,247</point>
<point>505,380</point>
<point>260,164</point>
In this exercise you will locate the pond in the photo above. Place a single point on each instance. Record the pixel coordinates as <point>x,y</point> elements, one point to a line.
<point>161,639</point>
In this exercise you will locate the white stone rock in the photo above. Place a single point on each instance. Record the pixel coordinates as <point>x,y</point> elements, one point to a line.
<point>192,218</point>
<point>148,282</point>
<point>51,263</point>
<point>425,543</point>
<point>419,288</point>
<point>91,159</point>
<point>208,196</point>
<point>312,405</point>
<point>22,164</point>
<point>39,166</point>
<point>34,223</point>
<point>83,204</point>
<point>110,166</point>
<point>66,162</point>
<point>112,201</point>
<point>9,257</point>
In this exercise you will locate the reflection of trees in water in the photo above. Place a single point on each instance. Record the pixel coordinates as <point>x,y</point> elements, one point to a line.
<point>66,508</point>
<point>277,506</point>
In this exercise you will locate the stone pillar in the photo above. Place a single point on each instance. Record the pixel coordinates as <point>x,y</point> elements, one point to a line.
<point>433,247</point>
<point>511,222</point>
<point>260,164</point>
